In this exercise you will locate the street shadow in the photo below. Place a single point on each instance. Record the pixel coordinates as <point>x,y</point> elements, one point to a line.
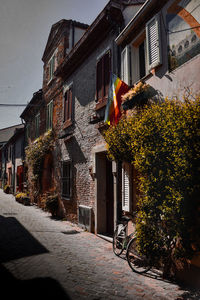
<point>70,232</point>
<point>189,292</point>
<point>44,288</point>
<point>17,242</point>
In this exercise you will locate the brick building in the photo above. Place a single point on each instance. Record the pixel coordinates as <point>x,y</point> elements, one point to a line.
<point>72,103</point>
<point>90,182</point>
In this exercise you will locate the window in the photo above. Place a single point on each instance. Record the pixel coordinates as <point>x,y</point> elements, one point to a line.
<point>10,152</point>
<point>143,54</point>
<point>68,105</point>
<point>49,116</point>
<point>37,125</point>
<point>126,186</point>
<point>51,67</point>
<point>27,130</point>
<point>66,179</point>
<point>103,77</point>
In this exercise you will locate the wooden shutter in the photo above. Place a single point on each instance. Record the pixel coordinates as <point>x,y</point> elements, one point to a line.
<point>126,186</point>
<point>68,105</point>
<point>99,81</point>
<point>106,69</point>
<point>153,42</point>
<point>126,65</point>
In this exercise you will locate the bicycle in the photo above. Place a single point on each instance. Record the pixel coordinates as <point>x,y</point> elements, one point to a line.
<point>121,241</point>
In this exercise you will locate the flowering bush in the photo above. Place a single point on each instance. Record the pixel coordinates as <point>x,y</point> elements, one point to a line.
<point>163,143</point>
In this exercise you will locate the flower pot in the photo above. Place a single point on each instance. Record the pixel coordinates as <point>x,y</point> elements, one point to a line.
<point>137,100</point>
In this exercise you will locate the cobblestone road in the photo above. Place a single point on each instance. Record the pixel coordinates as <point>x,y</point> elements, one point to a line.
<point>42,257</point>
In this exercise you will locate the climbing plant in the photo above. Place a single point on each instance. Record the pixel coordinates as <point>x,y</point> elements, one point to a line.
<point>35,154</point>
<point>163,142</point>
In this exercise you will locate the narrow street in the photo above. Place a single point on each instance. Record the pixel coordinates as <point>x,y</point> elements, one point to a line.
<point>49,258</point>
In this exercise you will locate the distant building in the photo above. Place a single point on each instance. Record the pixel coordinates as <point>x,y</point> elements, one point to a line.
<point>12,156</point>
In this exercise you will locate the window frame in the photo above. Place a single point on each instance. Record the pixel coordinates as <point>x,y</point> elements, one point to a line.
<point>66,179</point>
<point>37,125</point>
<point>52,64</point>
<point>49,116</point>
<point>68,103</point>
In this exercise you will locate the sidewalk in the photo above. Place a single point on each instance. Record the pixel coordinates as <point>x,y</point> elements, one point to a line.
<point>45,257</point>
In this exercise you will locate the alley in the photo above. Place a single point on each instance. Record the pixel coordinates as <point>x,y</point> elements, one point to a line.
<point>45,257</point>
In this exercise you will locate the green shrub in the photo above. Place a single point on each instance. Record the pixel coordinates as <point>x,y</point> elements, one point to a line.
<point>163,143</point>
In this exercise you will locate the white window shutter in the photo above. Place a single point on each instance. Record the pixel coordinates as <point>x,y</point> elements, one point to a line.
<point>126,186</point>
<point>125,65</point>
<point>153,42</point>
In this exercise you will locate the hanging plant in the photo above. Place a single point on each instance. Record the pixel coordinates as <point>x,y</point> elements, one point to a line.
<point>137,95</point>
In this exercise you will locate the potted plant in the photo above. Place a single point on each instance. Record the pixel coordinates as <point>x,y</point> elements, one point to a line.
<point>6,189</point>
<point>137,95</point>
<point>52,204</point>
<point>22,198</point>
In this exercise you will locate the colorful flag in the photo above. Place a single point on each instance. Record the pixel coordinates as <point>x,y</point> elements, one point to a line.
<point>116,89</point>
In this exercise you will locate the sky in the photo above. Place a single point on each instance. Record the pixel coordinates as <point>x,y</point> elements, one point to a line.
<point>24,29</point>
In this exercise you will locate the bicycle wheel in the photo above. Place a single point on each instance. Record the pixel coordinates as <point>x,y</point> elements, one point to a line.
<point>138,263</point>
<point>117,242</point>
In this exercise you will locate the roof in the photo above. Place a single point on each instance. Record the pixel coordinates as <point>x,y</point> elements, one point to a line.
<point>108,17</point>
<point>18,132</point>
<point>36,96</point>
<point>57,30</point>
<point>8,132</point>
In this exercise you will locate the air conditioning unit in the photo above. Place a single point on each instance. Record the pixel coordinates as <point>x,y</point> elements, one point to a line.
<point>85,217</point>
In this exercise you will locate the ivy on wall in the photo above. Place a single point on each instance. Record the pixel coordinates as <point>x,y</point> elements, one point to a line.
<point>35,154</point>
<point>163,142</point>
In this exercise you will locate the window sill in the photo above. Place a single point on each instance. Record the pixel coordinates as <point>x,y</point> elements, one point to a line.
<point>67,124</point>
<point>51,81</point>
<point>66,198</point>
<point>101,103</point>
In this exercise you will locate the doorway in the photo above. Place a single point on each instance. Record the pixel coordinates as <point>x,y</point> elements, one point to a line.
<point>104,196</point>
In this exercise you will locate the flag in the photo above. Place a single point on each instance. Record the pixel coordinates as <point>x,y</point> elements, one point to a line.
<point>116,89</point>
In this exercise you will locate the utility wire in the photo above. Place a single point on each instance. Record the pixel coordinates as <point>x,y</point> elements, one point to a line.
<point>18,105</point>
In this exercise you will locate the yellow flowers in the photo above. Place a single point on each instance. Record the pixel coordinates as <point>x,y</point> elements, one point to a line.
<point>163,143</point>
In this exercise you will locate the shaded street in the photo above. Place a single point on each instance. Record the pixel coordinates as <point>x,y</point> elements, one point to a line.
<point>45,257</point>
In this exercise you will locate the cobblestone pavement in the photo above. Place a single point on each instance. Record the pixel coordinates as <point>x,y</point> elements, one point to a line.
<point>43,257</point>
